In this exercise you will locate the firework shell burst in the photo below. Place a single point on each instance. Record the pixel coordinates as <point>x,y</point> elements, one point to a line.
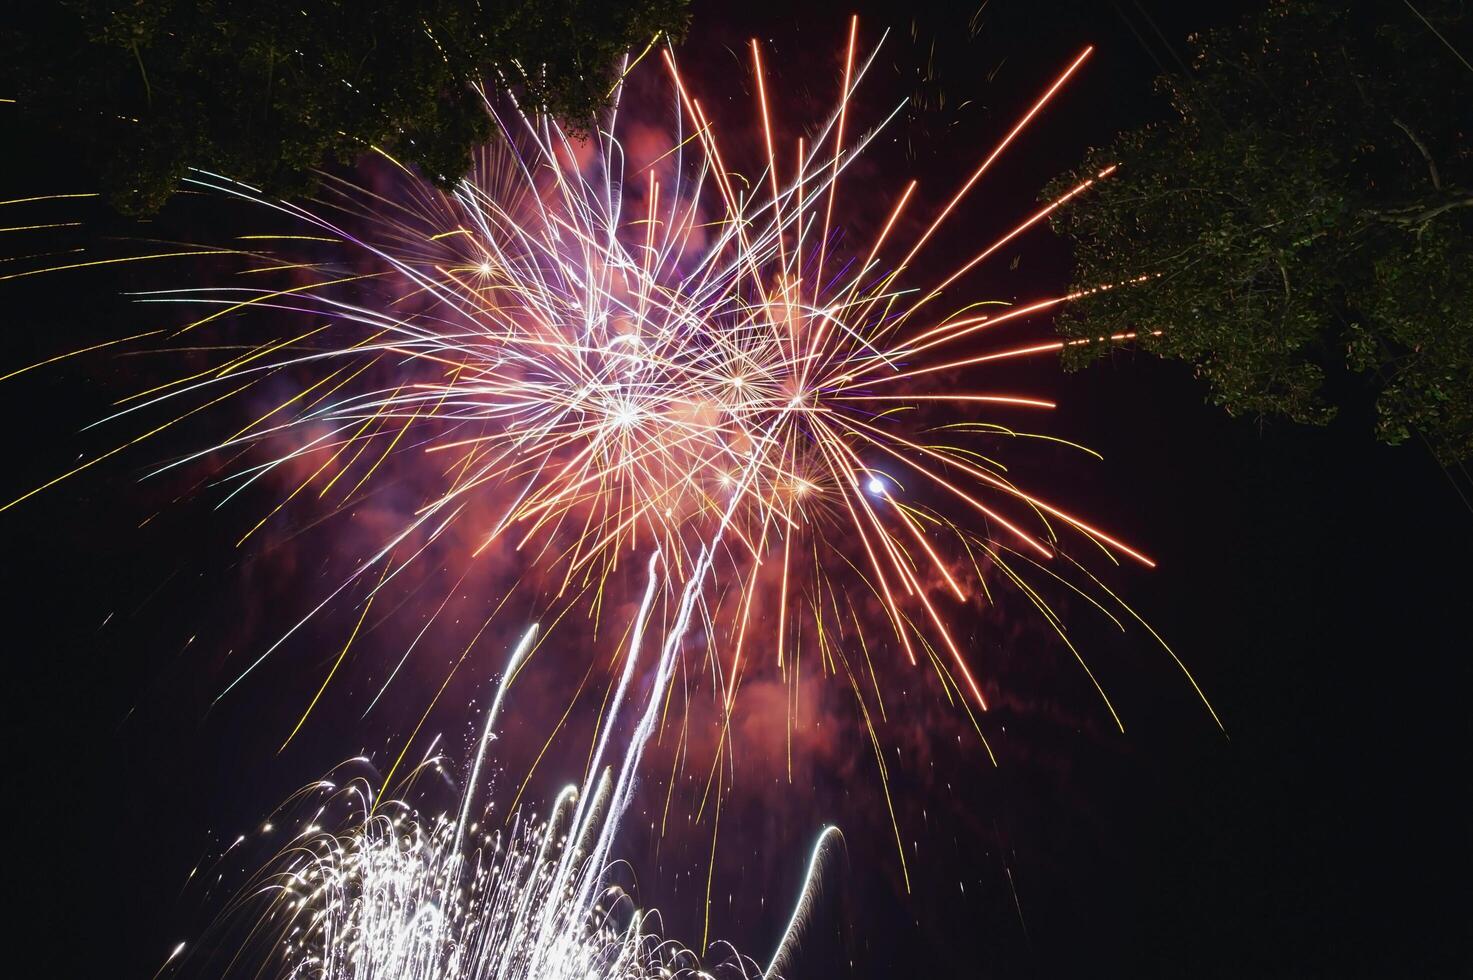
<point>593,350</point>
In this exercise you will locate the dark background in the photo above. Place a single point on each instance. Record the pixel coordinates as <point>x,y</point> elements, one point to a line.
<point>1315,581</point>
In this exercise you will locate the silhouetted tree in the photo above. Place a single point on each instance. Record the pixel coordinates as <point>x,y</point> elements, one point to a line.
<point>265,90</point>
<point>1304,218</point>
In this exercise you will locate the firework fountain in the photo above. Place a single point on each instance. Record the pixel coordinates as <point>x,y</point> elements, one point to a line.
<point>395,897</point>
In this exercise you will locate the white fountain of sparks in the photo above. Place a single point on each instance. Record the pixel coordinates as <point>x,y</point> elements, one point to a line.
<point>396,897</point>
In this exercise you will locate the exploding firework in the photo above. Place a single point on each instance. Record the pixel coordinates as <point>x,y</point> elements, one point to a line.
<point>594,346</point>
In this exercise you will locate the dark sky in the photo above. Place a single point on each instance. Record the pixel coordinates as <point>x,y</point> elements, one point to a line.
<point>1316,582</point>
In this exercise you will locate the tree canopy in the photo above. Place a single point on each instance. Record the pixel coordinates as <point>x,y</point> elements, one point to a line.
<point>1300,227</point>
<point>264,90</point>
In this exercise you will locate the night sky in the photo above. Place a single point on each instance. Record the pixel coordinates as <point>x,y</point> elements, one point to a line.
<point>1315,581</point>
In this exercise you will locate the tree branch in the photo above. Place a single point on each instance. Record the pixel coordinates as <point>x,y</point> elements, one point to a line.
<point>1417,216</point>
<point>1422,149</point>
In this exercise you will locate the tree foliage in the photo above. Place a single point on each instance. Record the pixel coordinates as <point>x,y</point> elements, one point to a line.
<point>1303,221</point>
<point>265,90</point>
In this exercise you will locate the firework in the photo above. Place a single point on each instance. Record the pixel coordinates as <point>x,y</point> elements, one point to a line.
<point>447,900</point>
<point>595,346</point>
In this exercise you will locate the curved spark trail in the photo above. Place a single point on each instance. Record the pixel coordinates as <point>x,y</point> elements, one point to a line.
<point>806,895</point>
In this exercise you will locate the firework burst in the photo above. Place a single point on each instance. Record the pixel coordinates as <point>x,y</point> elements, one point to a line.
<point>590,348</point>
